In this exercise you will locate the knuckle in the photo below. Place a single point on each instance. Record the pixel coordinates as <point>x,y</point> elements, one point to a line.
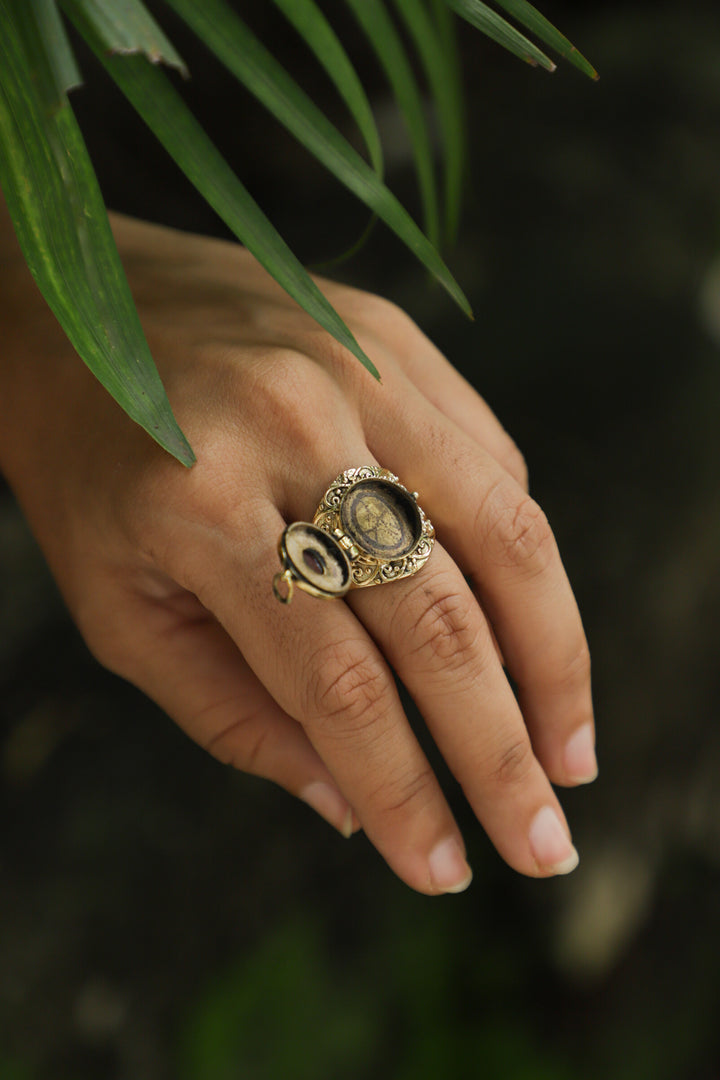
<point>519,536</point>
<point>247,756</point>
<point>372,310</point>
<point>445,634</point>
<point>288,397</point>
<point>513,763</point>
<point>408,792</point>
<point>240,744</point>
<point>280,389</point>
<point>272,371</point>
<point>349,690</point>
<point>566,673</point>
<point>389,316</point>
<point>576,671</point>
<point>374,318</point>
<point>334,357</point>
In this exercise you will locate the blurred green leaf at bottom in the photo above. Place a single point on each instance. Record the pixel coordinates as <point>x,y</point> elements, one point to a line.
<point>279,1015</point>
<point>12,1069</point>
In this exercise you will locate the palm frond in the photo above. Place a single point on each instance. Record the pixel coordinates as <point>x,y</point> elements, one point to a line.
<point>170,120</point>
<point>433,35</point>
<point>318,34</point>
<point>390,51</point>
<point>500,30</point>
<point>53,195</point>
<point>61,221</point>
<point>529,17</point>
<point>246,57</point>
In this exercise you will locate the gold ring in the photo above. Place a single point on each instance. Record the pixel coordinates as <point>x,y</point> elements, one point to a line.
<point>367,530</point>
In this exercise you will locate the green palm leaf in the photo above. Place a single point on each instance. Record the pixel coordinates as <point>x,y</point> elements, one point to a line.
<point>165,113</point>
<point>497,28</point>
<point>500,30</point>
<point>385,40</point>
<point>531,18</point>
<point>61,221</point>
<point>435,42</point>
<point>56,48</point>
<point>238,48</point>
<point>52,192</point>
<point>311,24</point>
<point>313,27</point>
<point>127,27</point>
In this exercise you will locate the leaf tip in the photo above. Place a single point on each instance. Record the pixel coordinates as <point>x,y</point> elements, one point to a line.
<point>465,306</point>
<point>373,370</point>
<point>184,454</point>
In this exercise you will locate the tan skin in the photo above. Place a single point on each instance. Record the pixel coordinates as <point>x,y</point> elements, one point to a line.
<point>168,571</point>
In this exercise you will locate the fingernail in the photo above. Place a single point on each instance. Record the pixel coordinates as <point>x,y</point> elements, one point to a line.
<point>580,761</point>
<point>449,872</point>
<point>327,801</point>
<point>550,844</point>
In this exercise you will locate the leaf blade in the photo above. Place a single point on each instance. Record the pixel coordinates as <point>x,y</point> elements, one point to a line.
<point>500,30</point>
<point>165,113</point>
<point>529,17</point>
<point>61,222</point>
<point>311,24</point>
<point>390,51</point>
<point>57,48</point>
<point>241,52</point>
<point>126,26</point>
<point>437,49</point>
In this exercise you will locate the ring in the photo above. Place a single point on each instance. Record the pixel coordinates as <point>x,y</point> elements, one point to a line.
<point>367,530</point>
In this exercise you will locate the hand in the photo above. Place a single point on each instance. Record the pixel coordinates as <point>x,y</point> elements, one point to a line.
<point>168,571</point>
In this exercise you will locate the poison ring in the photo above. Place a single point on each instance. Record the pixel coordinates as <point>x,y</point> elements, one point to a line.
<point>367,530</point>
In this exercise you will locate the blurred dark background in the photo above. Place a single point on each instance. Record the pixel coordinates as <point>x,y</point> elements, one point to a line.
<point>163,918</point>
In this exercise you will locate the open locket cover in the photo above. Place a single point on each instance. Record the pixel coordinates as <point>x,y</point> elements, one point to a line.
<point>367,530</point>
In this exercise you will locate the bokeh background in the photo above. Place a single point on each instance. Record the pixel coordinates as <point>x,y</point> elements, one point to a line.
<point>162,918</point>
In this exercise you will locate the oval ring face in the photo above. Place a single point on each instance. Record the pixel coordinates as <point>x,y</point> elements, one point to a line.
<point>316,559</point>
<point>381,518</point>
